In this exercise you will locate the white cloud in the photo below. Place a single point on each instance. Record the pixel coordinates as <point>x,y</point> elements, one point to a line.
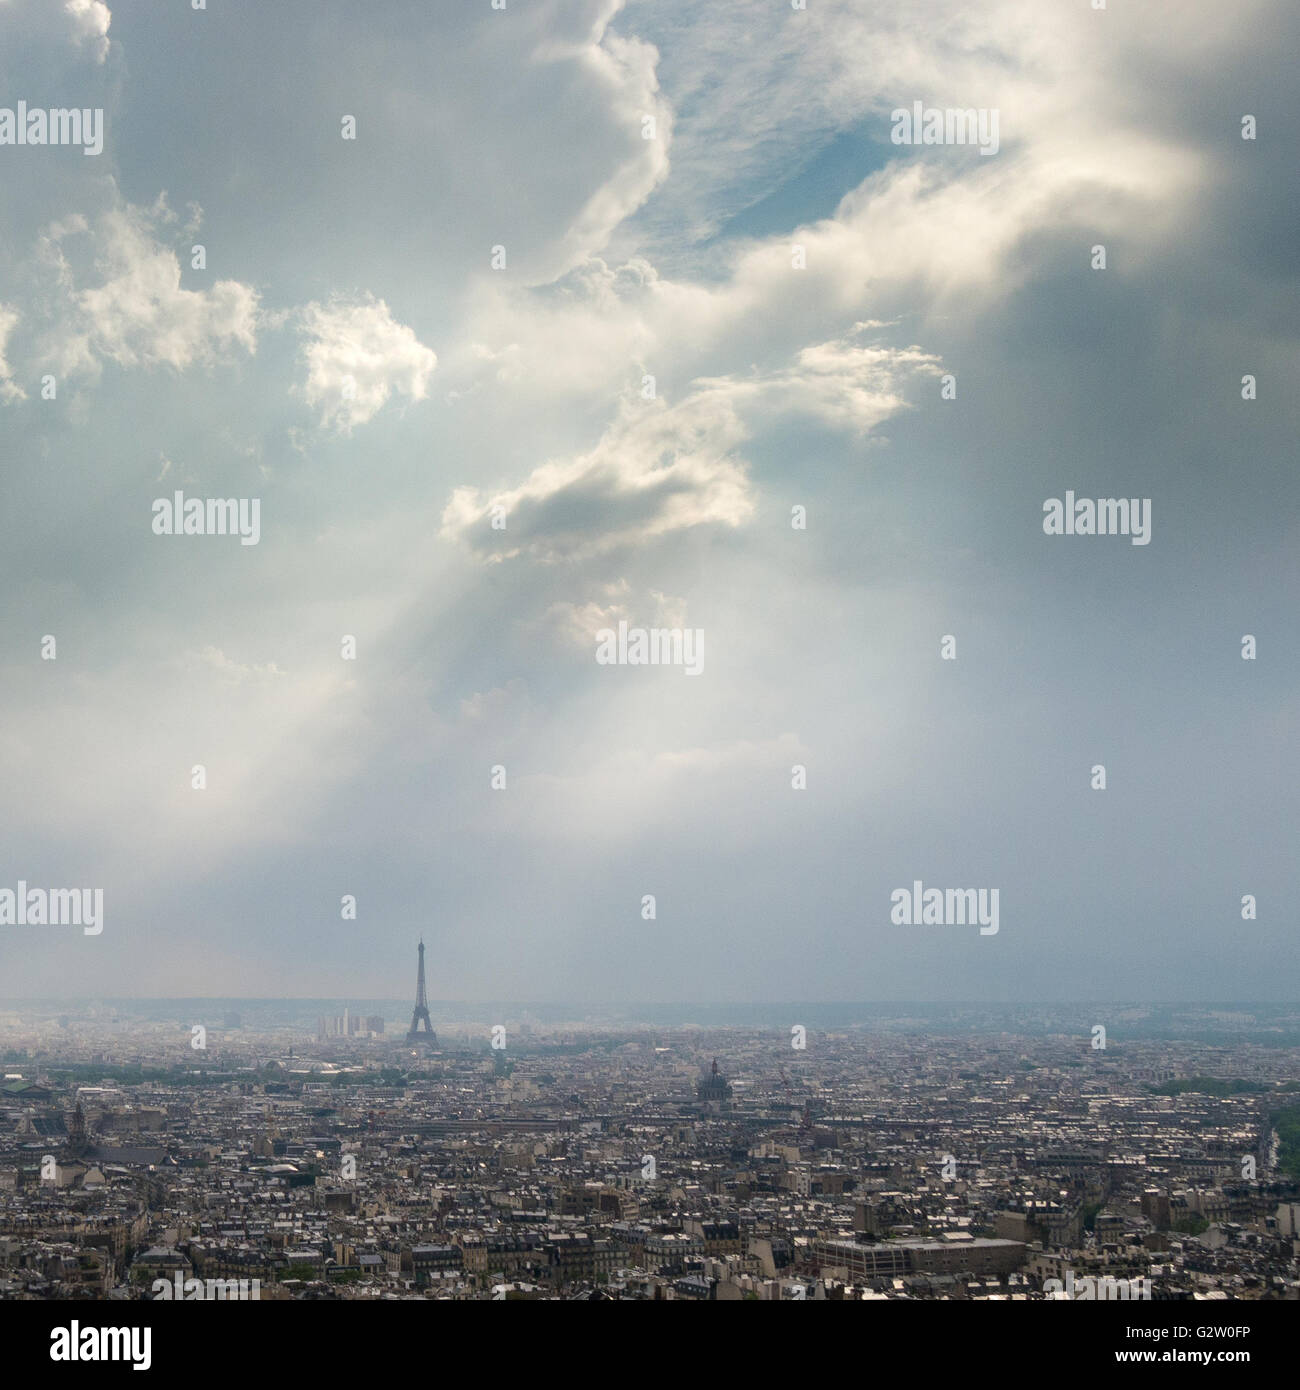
<point>138,315</point>
<point>664,467</point>
<point>658,468</point>
<point>625,69</point>
<point>9,389</point>
<point>91,19</point>
<point>358,356</point>
<point>840,383</point>
<point>578,624</point>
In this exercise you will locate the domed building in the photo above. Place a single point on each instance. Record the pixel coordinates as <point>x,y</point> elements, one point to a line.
<point>713,1092</point>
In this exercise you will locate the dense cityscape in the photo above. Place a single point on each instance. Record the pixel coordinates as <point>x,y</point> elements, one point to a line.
<point>259,1153</point>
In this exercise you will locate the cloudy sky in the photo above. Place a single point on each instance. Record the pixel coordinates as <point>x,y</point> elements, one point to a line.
<point>798,287</point>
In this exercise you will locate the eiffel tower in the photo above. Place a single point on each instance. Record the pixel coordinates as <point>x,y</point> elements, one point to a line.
<point>421,1014</point>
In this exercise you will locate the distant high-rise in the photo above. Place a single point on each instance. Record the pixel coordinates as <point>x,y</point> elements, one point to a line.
<point>421,1014</point>
<point>349,1025</point>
